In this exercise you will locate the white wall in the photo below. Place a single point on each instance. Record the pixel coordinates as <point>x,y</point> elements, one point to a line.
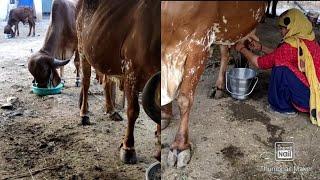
<point>4,4</point>
<point>38,8</point>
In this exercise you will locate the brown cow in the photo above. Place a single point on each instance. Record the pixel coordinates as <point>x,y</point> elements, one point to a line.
<point>120,38</point>
<point>187,31</point>
<point>16,15</point>
<point>60,43</point>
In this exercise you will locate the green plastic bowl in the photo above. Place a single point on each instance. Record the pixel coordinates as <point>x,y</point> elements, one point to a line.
<point>47,91</point>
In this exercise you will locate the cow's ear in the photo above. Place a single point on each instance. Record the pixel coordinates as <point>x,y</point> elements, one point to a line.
<point>56,78</point>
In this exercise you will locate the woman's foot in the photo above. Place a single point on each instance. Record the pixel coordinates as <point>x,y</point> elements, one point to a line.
<point>282,114</point>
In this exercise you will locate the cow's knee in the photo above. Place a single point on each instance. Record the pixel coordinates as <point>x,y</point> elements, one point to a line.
<point>184,103</point>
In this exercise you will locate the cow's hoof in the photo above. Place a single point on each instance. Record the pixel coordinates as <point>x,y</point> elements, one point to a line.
<point>183,158</point>
<point>85,121</point>
<point>216,93</point>
<point>115,116</point>
<point>165,123</point>
<point>219,94</point>
<point>128,156</point>
<point>157,155</point>
<point>212,93</point>
<point>78,83</point>
<point>172,158</point>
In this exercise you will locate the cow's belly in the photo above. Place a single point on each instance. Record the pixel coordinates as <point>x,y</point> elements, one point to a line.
<point>102,51</point>
<point>104,60</point>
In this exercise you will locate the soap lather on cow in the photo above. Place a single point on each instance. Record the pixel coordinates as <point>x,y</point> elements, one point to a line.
<point>20,14</point>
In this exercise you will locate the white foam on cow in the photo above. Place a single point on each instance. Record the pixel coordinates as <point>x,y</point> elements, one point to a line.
<point>258,16</point>
<point>173,61</point>
<point>224,20</point>
<point>172,69</point>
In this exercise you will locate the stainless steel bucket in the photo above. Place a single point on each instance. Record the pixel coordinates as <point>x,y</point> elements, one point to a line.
<point>154,171</point>
<point>239,80</point>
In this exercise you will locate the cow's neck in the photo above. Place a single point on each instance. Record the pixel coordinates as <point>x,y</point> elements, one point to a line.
<point>50,42</point>
<point>11,22</point>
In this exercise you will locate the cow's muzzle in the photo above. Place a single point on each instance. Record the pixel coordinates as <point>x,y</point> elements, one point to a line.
<point>151,98</point>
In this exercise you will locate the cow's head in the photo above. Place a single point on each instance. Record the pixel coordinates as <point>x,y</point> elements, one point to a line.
<point>43,69</point>
<point>8,30</point>
<point>151,98</point>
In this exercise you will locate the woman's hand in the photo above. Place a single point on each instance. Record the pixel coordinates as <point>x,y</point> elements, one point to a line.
<point>239,45</point>
<point>255,45</point>
<point>252,58</point>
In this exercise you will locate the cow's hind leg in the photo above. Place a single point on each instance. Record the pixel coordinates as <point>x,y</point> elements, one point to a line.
<point>83,100</point>
<point>76,62</point>
<point>180,150</point>
<point>62,74</point>
<point>127,151</point>
<point>108,87</point>
<point>217,90</point>
<point>34,28</point>
<point>158,143</point>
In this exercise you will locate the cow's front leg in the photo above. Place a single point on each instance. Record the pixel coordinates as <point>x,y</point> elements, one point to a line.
<point>180,150</point>
<point>30,28</point>
<point>108,87</point>
<point>83,100</point>
<point>220,83</point>
<point>16,30</point>
<point>127,150</point>
<point>62,74</point>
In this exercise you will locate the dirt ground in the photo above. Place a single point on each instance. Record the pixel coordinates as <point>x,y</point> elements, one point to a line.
<point>41,137</point>
<point>235,139</point>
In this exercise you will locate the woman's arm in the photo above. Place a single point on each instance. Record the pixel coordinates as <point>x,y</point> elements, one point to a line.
<point>266,50</point>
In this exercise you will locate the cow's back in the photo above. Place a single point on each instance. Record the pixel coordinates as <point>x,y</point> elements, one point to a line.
<point>228,20</point>
<point>19,14</point>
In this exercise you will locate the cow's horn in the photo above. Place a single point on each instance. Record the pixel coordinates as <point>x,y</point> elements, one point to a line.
<point>151,98</point>
<point>58,62</point>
